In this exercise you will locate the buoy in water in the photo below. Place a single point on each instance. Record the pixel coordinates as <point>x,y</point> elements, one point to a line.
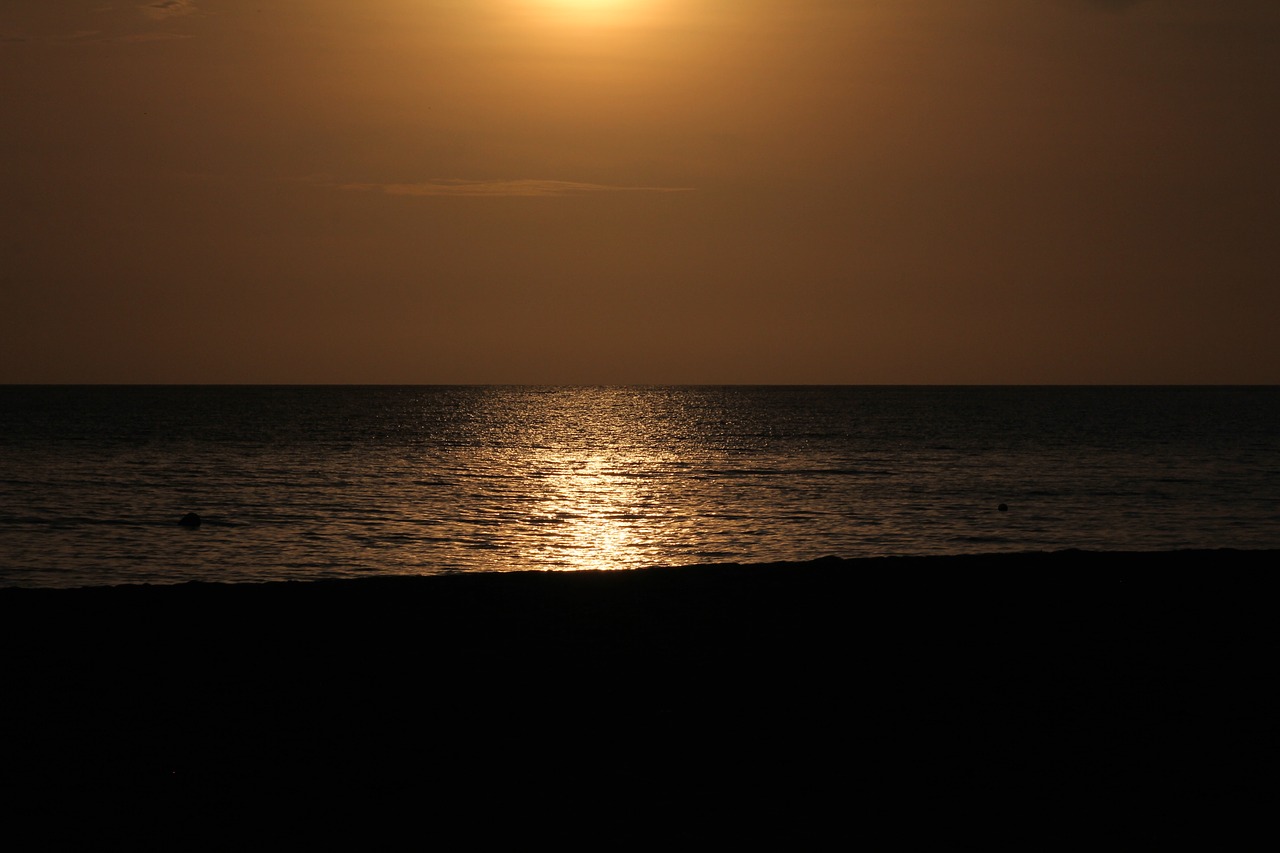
<point>1003,507</point>
<point>190,520</point>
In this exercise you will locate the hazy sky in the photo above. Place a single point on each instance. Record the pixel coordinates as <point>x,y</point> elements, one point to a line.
<point>827,191</point>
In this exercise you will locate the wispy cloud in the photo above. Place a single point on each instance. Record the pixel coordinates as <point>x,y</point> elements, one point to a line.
<point>523,187</point>
<point>161,9</point>
<point>1114,5</point>
<point>136,38</point>
<point>157,20</point>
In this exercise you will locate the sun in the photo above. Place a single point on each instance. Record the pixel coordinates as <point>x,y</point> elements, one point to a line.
<point>588,6</point>
<point>604,12</point>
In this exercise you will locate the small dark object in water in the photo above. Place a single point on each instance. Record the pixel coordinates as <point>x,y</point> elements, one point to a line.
<point>1003,507</point>
<point>190,520</point>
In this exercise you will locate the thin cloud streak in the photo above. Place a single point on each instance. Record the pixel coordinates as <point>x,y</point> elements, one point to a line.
<point>139,38</point>
<point>92,37</point>
<point>102,24</point>
<point>1115,5</point>
<point>526,187</point>
<point>158,11</point>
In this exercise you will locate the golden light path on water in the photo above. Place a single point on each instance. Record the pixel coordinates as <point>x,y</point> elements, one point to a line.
<point>596,513</point>
<point>588,480</point>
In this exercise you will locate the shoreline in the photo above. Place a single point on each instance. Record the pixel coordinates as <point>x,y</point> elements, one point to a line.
<point>1118,668</point>
<point>1079,557</point>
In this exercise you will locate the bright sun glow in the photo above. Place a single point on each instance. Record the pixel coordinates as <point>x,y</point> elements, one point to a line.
<point>590,6</point>
<point>603,12</point>
<point>587,5</point>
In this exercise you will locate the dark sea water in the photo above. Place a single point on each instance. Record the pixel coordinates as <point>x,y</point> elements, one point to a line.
<point>320,481</point>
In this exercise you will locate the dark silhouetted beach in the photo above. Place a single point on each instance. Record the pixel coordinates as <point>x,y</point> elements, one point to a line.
<point>875,683</point>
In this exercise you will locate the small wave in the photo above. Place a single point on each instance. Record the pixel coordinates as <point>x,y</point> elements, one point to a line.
<point>72,521</point>
<point>25,519</point>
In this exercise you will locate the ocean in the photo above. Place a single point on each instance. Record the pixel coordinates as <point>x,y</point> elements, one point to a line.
<point>310,482</point>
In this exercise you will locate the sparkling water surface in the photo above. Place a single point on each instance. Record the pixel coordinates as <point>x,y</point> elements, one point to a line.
<point>323,481</point>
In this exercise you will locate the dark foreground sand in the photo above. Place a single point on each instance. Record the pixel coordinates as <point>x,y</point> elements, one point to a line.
<point>853,685</point>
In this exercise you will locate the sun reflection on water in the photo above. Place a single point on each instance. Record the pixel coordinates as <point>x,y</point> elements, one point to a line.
<point>587,478</point>
<point>595,511</point>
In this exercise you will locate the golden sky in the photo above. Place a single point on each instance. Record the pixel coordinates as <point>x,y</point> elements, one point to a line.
<point>636,191</point>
